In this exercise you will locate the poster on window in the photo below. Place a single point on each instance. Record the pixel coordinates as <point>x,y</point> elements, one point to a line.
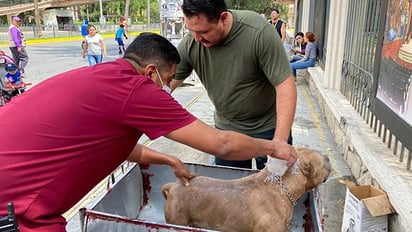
<point>171,19</point>
<point>395,74</point>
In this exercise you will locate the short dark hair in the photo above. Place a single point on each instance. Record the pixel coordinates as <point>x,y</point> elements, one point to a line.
<point>299,34</point>
<point>150,48</point>
<point>211,8</point>
<point>276,9</point>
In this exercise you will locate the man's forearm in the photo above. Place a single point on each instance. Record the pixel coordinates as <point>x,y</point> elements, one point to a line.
<point>286,98</point>
<point>144,155</point>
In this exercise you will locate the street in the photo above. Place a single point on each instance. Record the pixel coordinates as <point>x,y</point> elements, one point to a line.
<point>48,59</point>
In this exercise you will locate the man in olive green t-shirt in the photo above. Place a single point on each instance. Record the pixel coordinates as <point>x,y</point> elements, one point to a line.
<point>244,68</point>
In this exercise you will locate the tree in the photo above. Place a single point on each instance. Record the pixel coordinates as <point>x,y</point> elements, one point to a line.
<point>37,18</point>
<point>138,11</point>
<point>126,9</point>
<point>260,6</point>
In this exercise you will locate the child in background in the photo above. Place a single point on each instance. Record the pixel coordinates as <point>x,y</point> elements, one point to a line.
<point>13,76</point>
<point>119,38</point>
<point>123,22</point>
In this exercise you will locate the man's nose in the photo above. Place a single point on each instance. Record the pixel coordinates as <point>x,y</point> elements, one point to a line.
<point>197,36</point>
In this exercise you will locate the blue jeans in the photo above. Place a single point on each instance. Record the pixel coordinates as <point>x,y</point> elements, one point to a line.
<point>301,65</point>
<point>260,161</point>
<point>21,58</point>
<point>120,41</point>
<point>94,59</point>
<point>295,58</point>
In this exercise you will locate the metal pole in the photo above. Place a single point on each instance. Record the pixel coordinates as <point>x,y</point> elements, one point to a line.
<point>101,13</point>
<point>101,8</point>
<point>148,13</point>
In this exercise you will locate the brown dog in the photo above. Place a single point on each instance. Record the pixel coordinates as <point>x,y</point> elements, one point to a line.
<point>250,203</point>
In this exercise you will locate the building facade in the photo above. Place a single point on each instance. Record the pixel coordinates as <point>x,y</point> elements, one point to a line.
<point>365,57</point>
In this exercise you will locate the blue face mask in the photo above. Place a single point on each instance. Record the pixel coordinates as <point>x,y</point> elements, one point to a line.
<point>167,89</point>
<point>164,87</point>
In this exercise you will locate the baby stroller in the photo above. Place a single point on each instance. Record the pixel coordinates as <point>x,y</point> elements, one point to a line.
<point>8,223</point>
<point>9,90</point>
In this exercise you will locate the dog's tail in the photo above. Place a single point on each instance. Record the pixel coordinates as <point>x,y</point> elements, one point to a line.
<point>165,189</point>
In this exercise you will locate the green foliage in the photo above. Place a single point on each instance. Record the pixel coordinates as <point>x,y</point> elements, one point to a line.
<point>260,6</point>
<point>114,10</point>
<point>138,10</point>
<point>7,3</point>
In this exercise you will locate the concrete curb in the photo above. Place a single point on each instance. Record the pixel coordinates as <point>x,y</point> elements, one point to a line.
<point>371,162</point>
<point>4,44</point>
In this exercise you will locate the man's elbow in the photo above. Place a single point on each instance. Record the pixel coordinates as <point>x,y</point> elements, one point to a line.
<point>226,145</point>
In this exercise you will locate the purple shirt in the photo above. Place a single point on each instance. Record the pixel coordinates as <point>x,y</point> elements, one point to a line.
<point>16,36</point>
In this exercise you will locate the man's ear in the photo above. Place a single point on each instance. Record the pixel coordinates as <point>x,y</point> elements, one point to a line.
<point>224,16</point>
<point>149,70</point>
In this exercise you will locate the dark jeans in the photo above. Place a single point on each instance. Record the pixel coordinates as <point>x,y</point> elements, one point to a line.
<point>260,161</point>
<point>21,58</point>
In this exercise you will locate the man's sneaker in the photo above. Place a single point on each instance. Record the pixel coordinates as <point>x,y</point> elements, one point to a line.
<point>120,52</point>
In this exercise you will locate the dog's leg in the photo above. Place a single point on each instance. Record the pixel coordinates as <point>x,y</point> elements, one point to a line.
<point>270,223</point>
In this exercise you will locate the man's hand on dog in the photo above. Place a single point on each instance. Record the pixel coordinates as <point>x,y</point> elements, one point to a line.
<point>284,151</point>
<point>182,173</point>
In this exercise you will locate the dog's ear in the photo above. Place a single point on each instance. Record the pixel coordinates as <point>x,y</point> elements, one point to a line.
<point>165,189</point>
<point>308,161</point>
<point>307,168</point>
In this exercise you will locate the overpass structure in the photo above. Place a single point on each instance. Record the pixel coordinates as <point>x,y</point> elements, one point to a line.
<point>17,9</point>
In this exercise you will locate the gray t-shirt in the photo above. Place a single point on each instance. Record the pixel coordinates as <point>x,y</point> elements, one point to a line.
<point>240,74</point>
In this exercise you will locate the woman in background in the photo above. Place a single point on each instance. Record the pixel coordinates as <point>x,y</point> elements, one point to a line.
<point>94,46</point>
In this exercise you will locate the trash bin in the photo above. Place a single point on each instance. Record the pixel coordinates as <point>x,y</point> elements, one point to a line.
<point>84,27</point>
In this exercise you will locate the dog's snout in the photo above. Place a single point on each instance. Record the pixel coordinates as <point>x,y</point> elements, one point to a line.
<point>328,166</point>
<point>327,162</point>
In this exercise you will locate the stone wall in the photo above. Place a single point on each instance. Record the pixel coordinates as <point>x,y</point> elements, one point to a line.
<point>371,162</point>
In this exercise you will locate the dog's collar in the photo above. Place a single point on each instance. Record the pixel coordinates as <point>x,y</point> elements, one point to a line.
<point>279,180</point>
